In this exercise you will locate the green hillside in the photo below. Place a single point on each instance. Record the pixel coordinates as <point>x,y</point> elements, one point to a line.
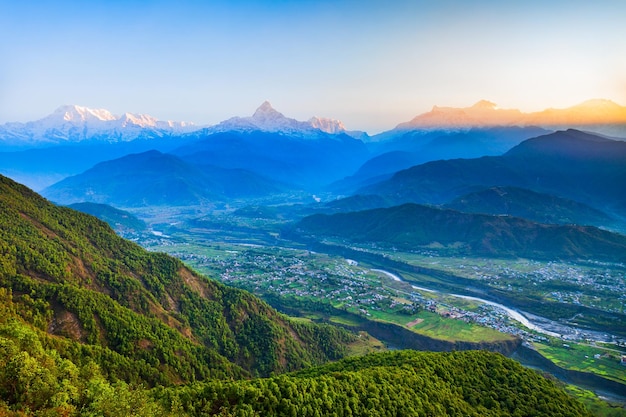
<point>93,325</point>
<point>151,319</point>
<point>120,220</point>
<point>410,226</point>
<point>35,379</point>
<point>538,207</point>
<point>401,383</point>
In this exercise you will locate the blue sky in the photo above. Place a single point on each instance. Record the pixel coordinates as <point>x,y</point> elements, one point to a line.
<point>371,64</point>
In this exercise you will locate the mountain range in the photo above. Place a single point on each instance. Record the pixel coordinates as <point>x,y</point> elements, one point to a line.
<point>571,164</point>
<point>88,137</point>
<point>72,123</point>
<point>158,179</point>
<point>605,115</point>
<point>538,207</point>
<point>413,227</point>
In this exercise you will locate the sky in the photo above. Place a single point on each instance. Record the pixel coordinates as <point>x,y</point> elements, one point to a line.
<point>370,63</point>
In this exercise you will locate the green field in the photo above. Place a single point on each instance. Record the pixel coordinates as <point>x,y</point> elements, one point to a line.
<point>581,357</point>
<point>597,407</point>
<point>252,274</point>
<point>440,327</point>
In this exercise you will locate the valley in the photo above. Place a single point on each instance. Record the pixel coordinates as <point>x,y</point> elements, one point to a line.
<point>431,239</point>
<point>565,304</point>
<point>313,209</point>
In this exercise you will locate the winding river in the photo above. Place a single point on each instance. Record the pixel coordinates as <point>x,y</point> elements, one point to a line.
<point>513,314</point>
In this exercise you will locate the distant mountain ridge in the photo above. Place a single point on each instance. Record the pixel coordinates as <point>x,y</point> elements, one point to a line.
<point>305,161</point>
<point>268,119</point>
<point>72,123</point>
<point>570,164</point>
<point>538,207</point>
<point>412,226</point>
<point>123,222</point>
<point>156,179</point>
<point>414,147</point>
<point>599,115</point>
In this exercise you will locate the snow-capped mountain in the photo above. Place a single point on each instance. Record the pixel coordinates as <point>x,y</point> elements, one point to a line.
<point>483,113</point>
<point>591,112</point>
<point>603,116</point>
<point>268,119</point>
<point>77,123</point>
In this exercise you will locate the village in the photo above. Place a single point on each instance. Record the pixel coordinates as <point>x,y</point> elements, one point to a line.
<point>347,286</point>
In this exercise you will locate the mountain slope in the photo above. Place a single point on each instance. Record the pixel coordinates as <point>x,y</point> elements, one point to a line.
<point>141,317</point>
<point>518,202</point>
<point>268,119</point>
<point>412,226</point>
<point>569,164</point>
<point>153,178</point>
<point>121,221</point>
<point>308,162</point>
<point>394,383</point>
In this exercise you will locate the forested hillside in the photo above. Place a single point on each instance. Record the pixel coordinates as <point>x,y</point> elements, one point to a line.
<point>410,226</point>
<point>91,324</point>
<point>149,318</point>
<point>35,379</point>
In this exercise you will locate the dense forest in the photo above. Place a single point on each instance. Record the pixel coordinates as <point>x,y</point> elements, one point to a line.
<point>91,324</point>
<point>151,319</point>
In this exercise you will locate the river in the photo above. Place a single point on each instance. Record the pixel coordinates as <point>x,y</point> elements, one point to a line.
<point>516,315</point>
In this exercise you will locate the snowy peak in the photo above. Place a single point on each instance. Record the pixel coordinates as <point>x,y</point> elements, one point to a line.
<point>485,105</point>
<point>73,113</point>
<point>267,112</point>
<point>142,120</point>
<point>486,113</point>
<point>327,125</point>
<point>268,119</point>
<point>483,113</point>
<point>72,123</point>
